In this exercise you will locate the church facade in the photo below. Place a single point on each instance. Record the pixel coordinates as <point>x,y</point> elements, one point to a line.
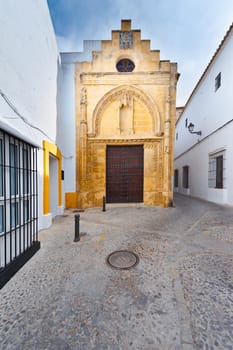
<point>125,110</point>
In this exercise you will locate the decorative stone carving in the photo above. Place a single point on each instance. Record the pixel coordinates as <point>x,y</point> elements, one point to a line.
<point>126,114</point>
<point>146,142</point>
<point>126,100</point>
<point>151,145</point>
<point>83,99</point>
<point>157,158</point>
<point>118,94</point>
<point>136,79</point>
<point>126,39</point>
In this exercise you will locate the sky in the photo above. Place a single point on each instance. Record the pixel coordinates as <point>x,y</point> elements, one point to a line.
<point>185,31</point>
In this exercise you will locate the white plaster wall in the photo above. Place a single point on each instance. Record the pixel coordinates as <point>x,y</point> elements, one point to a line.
<point>209,109</point>
<point>29,62</point>
<point>66,136</point>
<point>197,160</point>
<point>86,55</point>
<point>28,53</point>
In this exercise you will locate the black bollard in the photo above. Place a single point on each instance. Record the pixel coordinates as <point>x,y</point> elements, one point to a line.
<point>76,221</point>
<point>104,204</point>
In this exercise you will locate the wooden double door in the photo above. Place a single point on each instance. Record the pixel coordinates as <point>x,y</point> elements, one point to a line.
<point>124,174</point>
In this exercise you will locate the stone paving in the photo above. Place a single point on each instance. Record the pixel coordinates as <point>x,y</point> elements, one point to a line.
<point>179,296</point>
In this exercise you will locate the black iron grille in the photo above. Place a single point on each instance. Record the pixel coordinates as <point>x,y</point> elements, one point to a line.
<point>18,204</point>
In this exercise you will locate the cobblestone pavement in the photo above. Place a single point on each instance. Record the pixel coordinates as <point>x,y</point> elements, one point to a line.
<point>179,296</point>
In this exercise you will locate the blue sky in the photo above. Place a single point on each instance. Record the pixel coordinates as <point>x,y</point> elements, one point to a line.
<point>185,31</point>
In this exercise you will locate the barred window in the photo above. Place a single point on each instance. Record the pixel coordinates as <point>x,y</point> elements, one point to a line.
<point>218,81</point>
<point>18,198</point>
<point>14,214</point>
<point>1,219</point>
<point>1,169</point>
<point>176,178</point>
<point>13,156</point>
<point>186,177</point>
<point>216,170</point>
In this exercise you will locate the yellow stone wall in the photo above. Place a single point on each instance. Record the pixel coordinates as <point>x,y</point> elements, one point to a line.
<point>132,108</point>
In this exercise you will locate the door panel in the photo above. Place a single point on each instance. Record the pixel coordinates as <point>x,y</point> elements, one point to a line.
<point>124,174</point>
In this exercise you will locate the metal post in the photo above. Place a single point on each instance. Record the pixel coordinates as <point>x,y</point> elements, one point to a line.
<point>104,204</point>
<point>76,221</point>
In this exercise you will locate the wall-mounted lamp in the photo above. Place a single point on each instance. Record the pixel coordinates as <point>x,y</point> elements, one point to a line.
<point>191,128</point>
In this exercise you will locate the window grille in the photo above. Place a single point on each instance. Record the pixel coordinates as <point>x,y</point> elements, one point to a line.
<point>18,204</point>
<point>125,65</point>
<point>185,177</point>
<point>218,81</point>
<point>216,173</point>
<point>176,178</point>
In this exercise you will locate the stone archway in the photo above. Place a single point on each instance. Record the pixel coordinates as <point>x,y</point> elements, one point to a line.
<point>124,95</point>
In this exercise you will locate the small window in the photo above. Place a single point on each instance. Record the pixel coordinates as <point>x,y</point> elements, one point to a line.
<point>218,81</point>
<point>185,177</point>
<point>176,178</point>
<point>219,172</point>
<point>186,122</point>
<point>216,170</point>
<point>177,136</point>
<point>1,169</point>
<point>125,65</point>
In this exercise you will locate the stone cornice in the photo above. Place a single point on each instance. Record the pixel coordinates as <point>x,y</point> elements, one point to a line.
<point>139,78</point>
<point>110,141</point>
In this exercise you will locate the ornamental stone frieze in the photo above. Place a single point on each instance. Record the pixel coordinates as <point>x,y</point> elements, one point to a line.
<point>150,78</point>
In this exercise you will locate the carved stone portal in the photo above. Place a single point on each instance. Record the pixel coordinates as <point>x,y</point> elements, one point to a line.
<point>126,115</point>
<point>126,98</point>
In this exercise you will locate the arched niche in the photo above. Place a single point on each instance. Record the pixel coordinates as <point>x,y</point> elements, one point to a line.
<point>121,99</point>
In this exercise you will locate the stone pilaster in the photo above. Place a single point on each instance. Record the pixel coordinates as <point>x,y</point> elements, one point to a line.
<point>83,138</point>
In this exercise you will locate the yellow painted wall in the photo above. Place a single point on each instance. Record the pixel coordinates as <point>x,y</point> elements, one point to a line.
<point>50,148</point>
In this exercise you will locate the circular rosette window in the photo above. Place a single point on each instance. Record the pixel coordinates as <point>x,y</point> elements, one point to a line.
<point>125,65</point>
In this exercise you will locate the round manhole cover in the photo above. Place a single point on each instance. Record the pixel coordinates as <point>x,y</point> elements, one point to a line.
<point>122,259</point>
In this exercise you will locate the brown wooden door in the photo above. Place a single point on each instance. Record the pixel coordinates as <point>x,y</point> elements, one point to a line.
<point>124,174</point>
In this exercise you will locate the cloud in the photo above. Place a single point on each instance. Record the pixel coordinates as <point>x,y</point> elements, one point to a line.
<point>187,32</point>
<point>68,44</point>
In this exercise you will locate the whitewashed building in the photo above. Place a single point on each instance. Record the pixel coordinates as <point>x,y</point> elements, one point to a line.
<point>30,161</point>
<point>66,114</point>
<point>204,132</point>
